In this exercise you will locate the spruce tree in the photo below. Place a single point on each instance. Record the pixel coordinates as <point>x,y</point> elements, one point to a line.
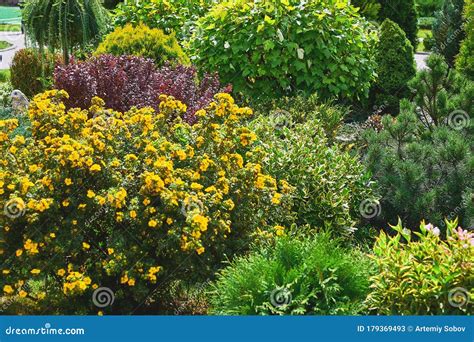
<point>395,67</point>
<point>448,30</point>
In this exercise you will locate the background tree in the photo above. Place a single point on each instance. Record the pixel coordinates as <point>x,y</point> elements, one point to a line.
<point>368,8</point>
<point>404,14</point>
<point>395,67</point>
<point>448,30</point>
<point>64,24</point>
<point>465,60</point>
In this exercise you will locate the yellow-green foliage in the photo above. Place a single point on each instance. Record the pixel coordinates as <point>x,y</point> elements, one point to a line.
<point>427,275</point>
<point>143,41</point>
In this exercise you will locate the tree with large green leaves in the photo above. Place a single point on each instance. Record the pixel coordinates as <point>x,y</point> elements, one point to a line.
<point>64,24</point>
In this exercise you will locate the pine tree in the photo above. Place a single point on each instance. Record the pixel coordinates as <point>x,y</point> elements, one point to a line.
<point>403,12</point>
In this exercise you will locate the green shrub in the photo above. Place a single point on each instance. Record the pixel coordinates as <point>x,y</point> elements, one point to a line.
<point>329,183</point>
<point>448,29</point>
<point>424,275</point>
<point>395,67</point>
<point>404,14</point>
<point>427,8</point>
<point>145,42</point>
<point>5,95</point>
<point>274,48</point>
<point>441,93</point>
<point>426,22</point>
<point>421,172</point>
<point>465,60</point>
<point>312,276</point>
<point>31,72</point>
<point>178,16</point>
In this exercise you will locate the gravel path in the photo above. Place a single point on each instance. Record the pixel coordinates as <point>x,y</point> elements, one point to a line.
<point>420,59</point>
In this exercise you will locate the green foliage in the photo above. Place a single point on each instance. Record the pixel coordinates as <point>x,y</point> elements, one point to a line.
<point>427,8</point>
<point>367,8</point>
<point>440,92</point>
<point>32,72</point>
<point>64,24</point>
<point>267,49</point>
<point>424,157</point>
<point>424,275</point>
<point>310,276</point>
<point>145,42</point>
<point>329,183</point>
<point>448,29</point>
<point>178,16</point>
<point>465,60</point>
<point>404,14</point>
<point>395,67</point>
<point>5,95</point>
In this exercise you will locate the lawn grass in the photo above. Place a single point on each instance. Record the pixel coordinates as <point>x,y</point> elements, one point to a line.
<point>10,27</point>
<point>4,44</point>
<point>422,33</point>
<point>4,75</point>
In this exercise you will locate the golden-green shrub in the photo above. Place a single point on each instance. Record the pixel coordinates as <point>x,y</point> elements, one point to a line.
<point>145,42</point>
<point>425,275</point>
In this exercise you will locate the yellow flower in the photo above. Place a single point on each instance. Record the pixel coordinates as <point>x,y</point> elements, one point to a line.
<point>169,220</point>
<point>279,230</point>
<point>152,223</point>
<point>95,168</point>
<point>35,271</point>
<point>8,289</point>
<point>201,221</point>
<point>90,193</point>
<point>68,181</point>
<point>61,272</point>
<point>52,235</point>
<point>131,282</point>
<point>65,203</point>
<point>5,271</point>
<point>110,251</point>
<point>133,213</point>
<point>200,250</point>
<point>146,201</point>
<point>276,199</point>
<point>23,294</point>
<point>19,252</point>
<point>85,245</point>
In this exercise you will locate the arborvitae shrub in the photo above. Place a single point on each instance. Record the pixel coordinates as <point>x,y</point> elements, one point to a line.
<point>395,67</point>
<point>144,42</point>
<point>404,14</point>
<point>312,276</point>
<point>465,60</point>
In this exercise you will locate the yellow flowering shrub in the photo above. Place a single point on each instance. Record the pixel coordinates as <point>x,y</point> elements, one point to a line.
<point>98,198</point>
